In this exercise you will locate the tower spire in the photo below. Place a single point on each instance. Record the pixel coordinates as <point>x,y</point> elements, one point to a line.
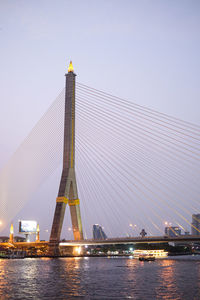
<point>68,192</point>
<point>37,233</point>
<point>71,68</point>
<point>11,240</point>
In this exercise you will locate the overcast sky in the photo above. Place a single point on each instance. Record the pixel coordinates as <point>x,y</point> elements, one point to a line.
<point>143,51</point>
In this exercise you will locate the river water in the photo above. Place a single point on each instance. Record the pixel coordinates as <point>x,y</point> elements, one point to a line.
<point>100,278</point>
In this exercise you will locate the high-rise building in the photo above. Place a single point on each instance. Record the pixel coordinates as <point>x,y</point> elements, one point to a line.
<point>98,233</point>
<point>187,233</point>
<point>173,231</point>
<point>195,226</point>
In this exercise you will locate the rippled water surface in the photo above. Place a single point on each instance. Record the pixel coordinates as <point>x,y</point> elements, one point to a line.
<point>100,278</point>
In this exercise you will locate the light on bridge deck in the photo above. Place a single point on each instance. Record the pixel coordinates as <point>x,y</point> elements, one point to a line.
<point>77,251</point>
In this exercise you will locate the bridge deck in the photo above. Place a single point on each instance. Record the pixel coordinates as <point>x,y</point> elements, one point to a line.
<point>133,240</point>
<point>113,241</point>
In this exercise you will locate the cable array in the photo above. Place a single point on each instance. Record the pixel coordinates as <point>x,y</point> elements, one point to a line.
<point>150,158</point>
<point>135,167</point>
<point>38,156</point>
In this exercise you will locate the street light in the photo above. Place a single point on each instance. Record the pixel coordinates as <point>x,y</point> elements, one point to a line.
<point>133,226</point>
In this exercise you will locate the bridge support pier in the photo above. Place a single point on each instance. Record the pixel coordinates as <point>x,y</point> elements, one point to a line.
<point>68,193</point>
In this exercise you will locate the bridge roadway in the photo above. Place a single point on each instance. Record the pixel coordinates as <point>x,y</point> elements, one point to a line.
<point>113,241</point>
<point>25,245</point>
<point>133,240</point>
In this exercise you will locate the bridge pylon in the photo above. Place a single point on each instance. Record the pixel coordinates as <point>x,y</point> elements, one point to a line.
<point>68,193</point>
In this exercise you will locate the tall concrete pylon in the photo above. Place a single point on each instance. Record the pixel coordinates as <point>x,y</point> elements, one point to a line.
<point>68,193</point>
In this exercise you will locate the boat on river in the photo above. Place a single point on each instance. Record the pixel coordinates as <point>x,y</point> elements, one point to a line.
<point>156,253</point>
<point>147,258</point>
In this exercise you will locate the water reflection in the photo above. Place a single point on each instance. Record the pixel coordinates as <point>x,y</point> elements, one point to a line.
<point>198,266</point>
<point>167,281</point>
<point>3,277</point>
<point>99,278</point>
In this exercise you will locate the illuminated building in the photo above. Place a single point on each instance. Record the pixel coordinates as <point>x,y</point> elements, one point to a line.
<point>195,228</point>
<point>98,233</point>
<point>4,239</point>
<point>19,239</point>
<point>173,231</point>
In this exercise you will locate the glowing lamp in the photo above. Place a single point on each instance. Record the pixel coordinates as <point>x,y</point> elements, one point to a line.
<point>77,250</point>
<point>11,229</point>
<point>70,69</point>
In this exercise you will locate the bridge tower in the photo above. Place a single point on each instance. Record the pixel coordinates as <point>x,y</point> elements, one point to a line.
<point>68,188</point>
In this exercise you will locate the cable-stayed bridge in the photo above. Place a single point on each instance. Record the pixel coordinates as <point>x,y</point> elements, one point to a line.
<point>135,167</point>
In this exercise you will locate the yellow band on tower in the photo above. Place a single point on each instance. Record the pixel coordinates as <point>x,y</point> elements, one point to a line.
<point>73,202</point>
<point>62,200</point>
